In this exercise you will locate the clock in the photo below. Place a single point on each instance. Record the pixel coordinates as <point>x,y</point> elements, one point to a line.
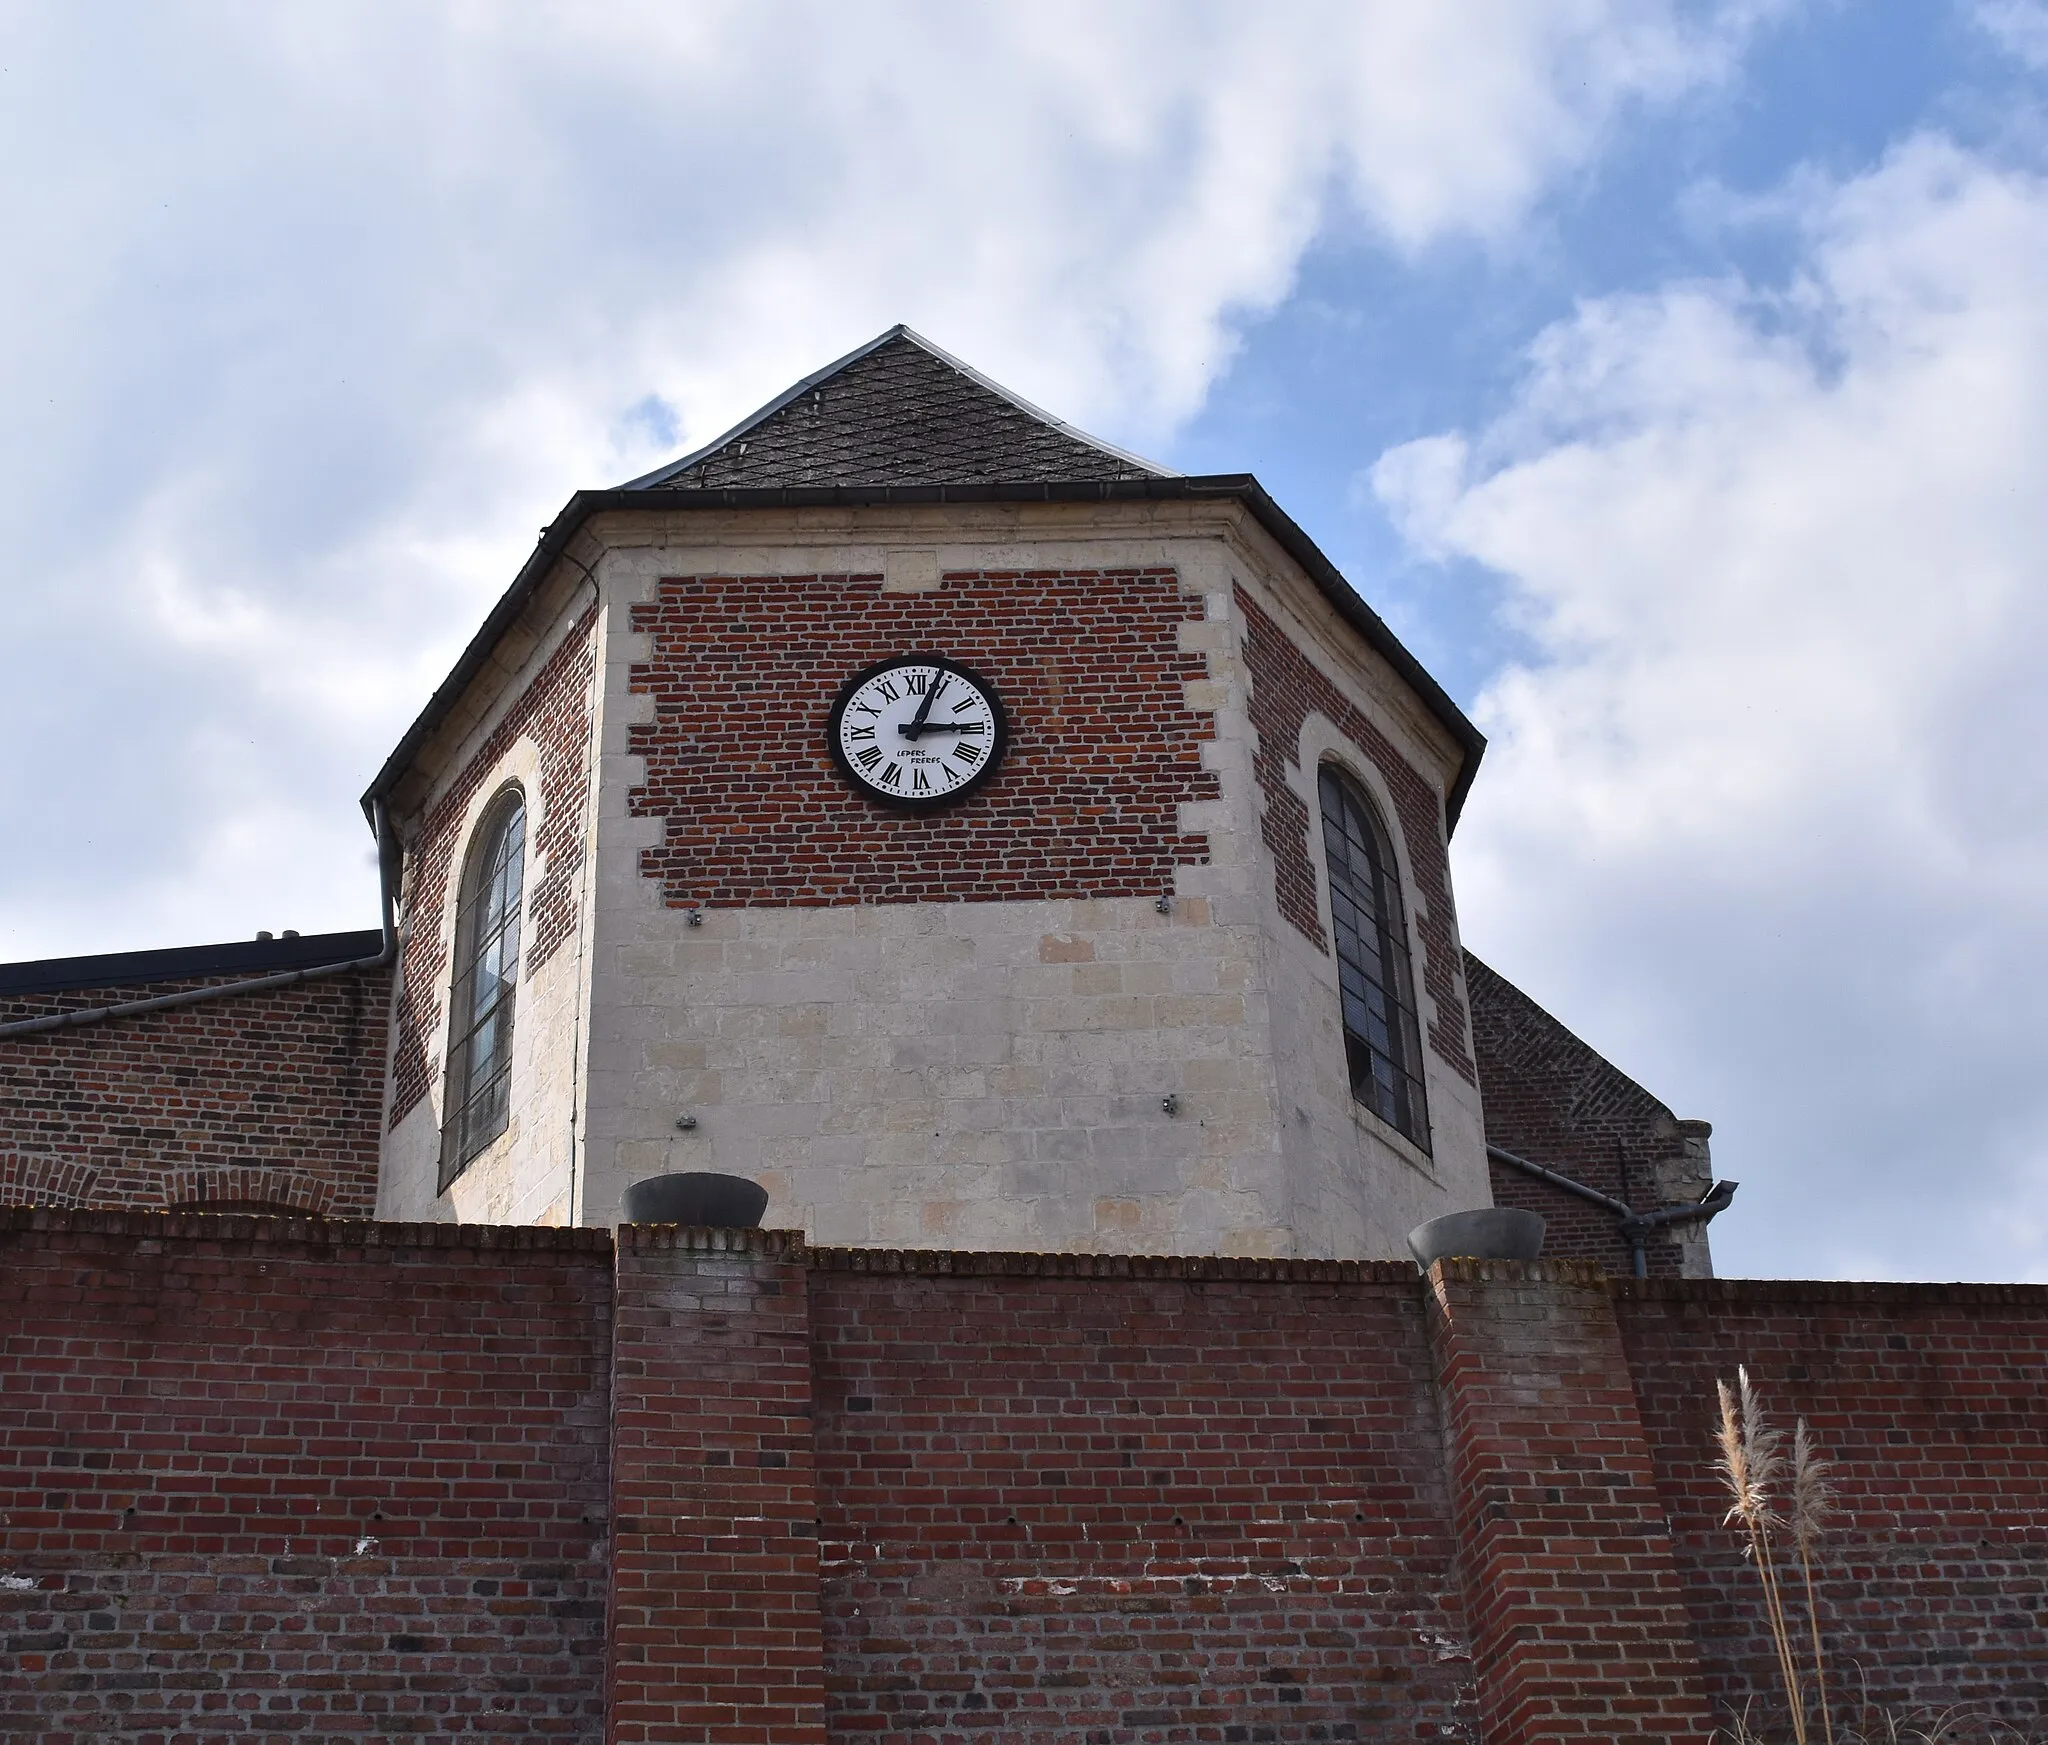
<point>917,731</point>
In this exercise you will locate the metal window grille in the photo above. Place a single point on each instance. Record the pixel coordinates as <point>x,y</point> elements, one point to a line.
<point>486,981</point>
<point>1382,1038</point>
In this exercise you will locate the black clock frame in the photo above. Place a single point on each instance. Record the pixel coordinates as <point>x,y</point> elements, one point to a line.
<point>999,736</point>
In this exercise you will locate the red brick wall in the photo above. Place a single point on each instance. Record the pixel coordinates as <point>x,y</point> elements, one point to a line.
<point>277,1479</point>
<point>555,712</point>
<point>272,1096</point>
<point>1285,689</point>
<point>1579,1628</point>
<point>1064,1498</point>
<point>1103,747</point>
<point>1932,1401</point>
<point>714,1603</point>
<point>273,1479</point>
<point>1552,1099</point>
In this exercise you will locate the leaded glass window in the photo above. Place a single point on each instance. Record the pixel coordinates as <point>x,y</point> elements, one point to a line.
<point>486,981</point>
<point>1382,1039</point>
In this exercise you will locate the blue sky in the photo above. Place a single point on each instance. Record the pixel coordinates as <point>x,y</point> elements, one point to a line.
<point>1371,350</point>
<point>1671,375</point>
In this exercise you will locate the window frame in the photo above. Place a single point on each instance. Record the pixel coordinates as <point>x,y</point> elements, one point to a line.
<point>496,858</point>
<point>1386,1071</point>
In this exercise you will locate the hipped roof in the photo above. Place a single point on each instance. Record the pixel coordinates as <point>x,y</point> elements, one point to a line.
<point>900,422</point>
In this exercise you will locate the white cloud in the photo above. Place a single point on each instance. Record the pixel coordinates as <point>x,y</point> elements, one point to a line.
<point>318,312</point>
<point>1767,814</point>
<point>2020,27</point>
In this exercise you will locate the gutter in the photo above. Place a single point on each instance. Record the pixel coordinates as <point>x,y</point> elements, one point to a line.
<point>1215,487</point>
<point>1636,1227</point>
<point>385,956</point>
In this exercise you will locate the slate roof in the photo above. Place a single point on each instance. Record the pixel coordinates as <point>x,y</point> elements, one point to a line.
<point>241,957</point>
<point>900,422</point>
<point>898,411</point>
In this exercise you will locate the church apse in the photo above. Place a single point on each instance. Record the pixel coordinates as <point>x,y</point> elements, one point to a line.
<point>1013,978</point>
<point>1050,966</point>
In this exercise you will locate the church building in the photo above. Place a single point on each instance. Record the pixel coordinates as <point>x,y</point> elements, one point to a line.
<point>1021,873</point>
<point>977,836</point>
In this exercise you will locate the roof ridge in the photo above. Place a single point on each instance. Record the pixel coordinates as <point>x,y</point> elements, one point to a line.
<point>662,475</point>
<point>1023,405</point>
<point>113,969</point>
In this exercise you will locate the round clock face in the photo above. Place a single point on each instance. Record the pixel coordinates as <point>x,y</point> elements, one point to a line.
<point>917,731</point>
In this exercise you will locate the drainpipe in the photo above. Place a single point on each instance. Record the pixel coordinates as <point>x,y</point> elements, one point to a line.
<point>385,956</point>
<point>1635,1226</point>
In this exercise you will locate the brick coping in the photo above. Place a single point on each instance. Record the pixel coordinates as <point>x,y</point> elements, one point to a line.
<point>308,1231</point>
<point>789,1247</point>
<point>950,1263</point>
<point>1740,1292</point>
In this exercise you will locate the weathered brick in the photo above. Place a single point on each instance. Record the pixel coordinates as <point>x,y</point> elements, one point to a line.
<point>325,1481</point>
<point>289,1478</point>
<point>1105,746</point>
<point>1285,689</point>
<point>554,709</point>
<point>269,1098</point>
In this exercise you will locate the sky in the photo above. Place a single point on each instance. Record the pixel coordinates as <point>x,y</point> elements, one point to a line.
<point>1674,378</point>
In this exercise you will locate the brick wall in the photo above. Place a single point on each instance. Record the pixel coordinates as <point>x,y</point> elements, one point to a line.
<point>714,1604</point>
<point>1103,745</point>
<point>554,710</point>
<point>271,1097</point>
<point>276,1479</point>
<point>1553,1100</point>
<point>1065,1499</point>
<point>1578,1622</point>
<point>1932,1401</point>
<point>265,1479</point>
<point>1285,688</point>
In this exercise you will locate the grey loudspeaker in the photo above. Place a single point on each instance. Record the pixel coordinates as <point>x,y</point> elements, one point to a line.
<point>723,1202</point>
<point>1490,1233</point>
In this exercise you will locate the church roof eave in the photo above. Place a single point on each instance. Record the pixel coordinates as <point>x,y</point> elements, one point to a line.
<point>1239,487</point>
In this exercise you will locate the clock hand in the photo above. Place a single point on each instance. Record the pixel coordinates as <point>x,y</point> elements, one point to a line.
<point>915,725</point>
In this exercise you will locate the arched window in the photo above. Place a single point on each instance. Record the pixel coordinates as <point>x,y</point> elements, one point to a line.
<point>486,979</point>
<point>1382,1040</point>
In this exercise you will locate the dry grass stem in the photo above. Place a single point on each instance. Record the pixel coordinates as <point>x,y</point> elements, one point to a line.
<point>1813,1501</point>
<point>1753,1465</point>
<point>1752,1462</point>
<point>1876,1726</point>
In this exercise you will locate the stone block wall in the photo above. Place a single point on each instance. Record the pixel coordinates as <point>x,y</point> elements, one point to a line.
<point>954,1027</point>
<point>1308,698</point>
<point>536,727</point>
<point>961,1028</point>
